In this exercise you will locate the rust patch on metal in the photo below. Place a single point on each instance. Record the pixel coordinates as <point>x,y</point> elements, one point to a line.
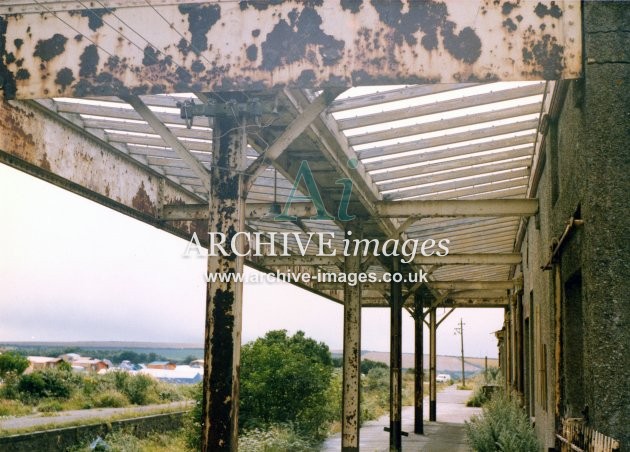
<point>48,49</point>
<point>142,202</point>
<point>252,52</point>
<point>7,80</point>
<point>200,21</point>
<point>64,78</point>
<point>544,10</point>
<point>544,56</point>
<point>44,163</point>
<point>429,17</point>
<point>509,24</point>
<point>95,16</point>
<point>290,41</point>
<point>16,139</point>
<point>88,61</point>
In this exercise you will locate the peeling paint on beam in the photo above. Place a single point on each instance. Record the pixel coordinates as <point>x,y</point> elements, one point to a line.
<point>351,384</point>
<point>219,423</point>
<point>47,51</point>
<point>86,165</point>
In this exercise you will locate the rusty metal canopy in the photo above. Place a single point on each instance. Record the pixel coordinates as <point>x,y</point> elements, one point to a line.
<point>54,48</point>
<point>432,142</point>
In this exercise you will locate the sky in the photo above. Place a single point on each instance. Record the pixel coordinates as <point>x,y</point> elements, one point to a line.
<point>73,270</point>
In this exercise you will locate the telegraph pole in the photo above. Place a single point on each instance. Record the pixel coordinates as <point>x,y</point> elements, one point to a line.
<point>460,331</point>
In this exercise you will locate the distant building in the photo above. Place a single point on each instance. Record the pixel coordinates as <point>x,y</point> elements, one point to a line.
<point>179,374</point>
<point>42,362</point>
<point>89,364</point>
<point>70,357</point>
<point>170,365</point>
<point>196,363</point>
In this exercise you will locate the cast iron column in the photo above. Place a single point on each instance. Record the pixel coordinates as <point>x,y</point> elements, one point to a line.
<point>395,379</point>
<point>418,382</point>
<point>351,350</point>
<point>224,299</point>
<point>432,366</point>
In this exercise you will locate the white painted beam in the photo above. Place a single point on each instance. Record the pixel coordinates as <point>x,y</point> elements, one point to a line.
<point>444,124</point>
<point>440,107</point>
<point>487,132</point>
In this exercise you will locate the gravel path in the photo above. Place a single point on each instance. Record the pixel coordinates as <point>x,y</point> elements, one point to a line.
<point>445,435</point>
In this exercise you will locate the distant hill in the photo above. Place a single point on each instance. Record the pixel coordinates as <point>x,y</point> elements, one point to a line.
<point>104,344</point>
<point>445,364</point>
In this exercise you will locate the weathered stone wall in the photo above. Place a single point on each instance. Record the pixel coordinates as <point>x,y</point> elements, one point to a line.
<point>63,438</point>
<point>587,173</point>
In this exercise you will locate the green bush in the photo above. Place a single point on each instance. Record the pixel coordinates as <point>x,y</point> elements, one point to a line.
<point>53,383</point>
<point>285,379</point>
<point>368,364</point>
<point>111,399</point>
<point>138,390</point>
<point>502,426</point>
<point>478,397</point>
<point>12,362</point>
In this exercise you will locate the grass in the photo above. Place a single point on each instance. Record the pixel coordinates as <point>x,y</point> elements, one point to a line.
<point>14,408</point>
<point>91,421</point>
<point>53,391</point>
<point>126,442</point>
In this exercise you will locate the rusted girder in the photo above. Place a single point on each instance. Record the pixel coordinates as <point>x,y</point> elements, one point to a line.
<point>459,208</point>
<point>432,365</point>
<point>450,259</point>
<point>224,299</point>
<point>351,410</point>
<point>418,379</point>
<point>87,166</point>
<point>57,48</point>
<point>386,209</point>
<point>395,366</point>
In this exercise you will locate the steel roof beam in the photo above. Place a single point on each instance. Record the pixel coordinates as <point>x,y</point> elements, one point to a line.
<point>464,289</point>
<point>477,134</point>
<point>449,152</point>
<point>433,178</point>
<point>450,259</point>
<point>470,259</point>
<point>394,95</point>
<point>294,130</point>
<point>392,209</point>
<point>446,208</point>
<point>444,124</point>
<point>149,116</point>
<point>119,113</point>
<point>472,182</point>
<point>442,106</point>
<point>434,167</point>
<point>254,57</point>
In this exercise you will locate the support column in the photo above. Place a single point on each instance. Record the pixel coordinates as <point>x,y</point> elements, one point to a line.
<point>219,423</point>
<point>395,376</point>
<point>418,383</point>
<point>350,421</point>
<point>432,366</point>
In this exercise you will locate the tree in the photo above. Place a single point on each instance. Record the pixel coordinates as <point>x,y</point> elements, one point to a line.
<point>12,362</point>
<point>286,379</point>
<point>368,364</point>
